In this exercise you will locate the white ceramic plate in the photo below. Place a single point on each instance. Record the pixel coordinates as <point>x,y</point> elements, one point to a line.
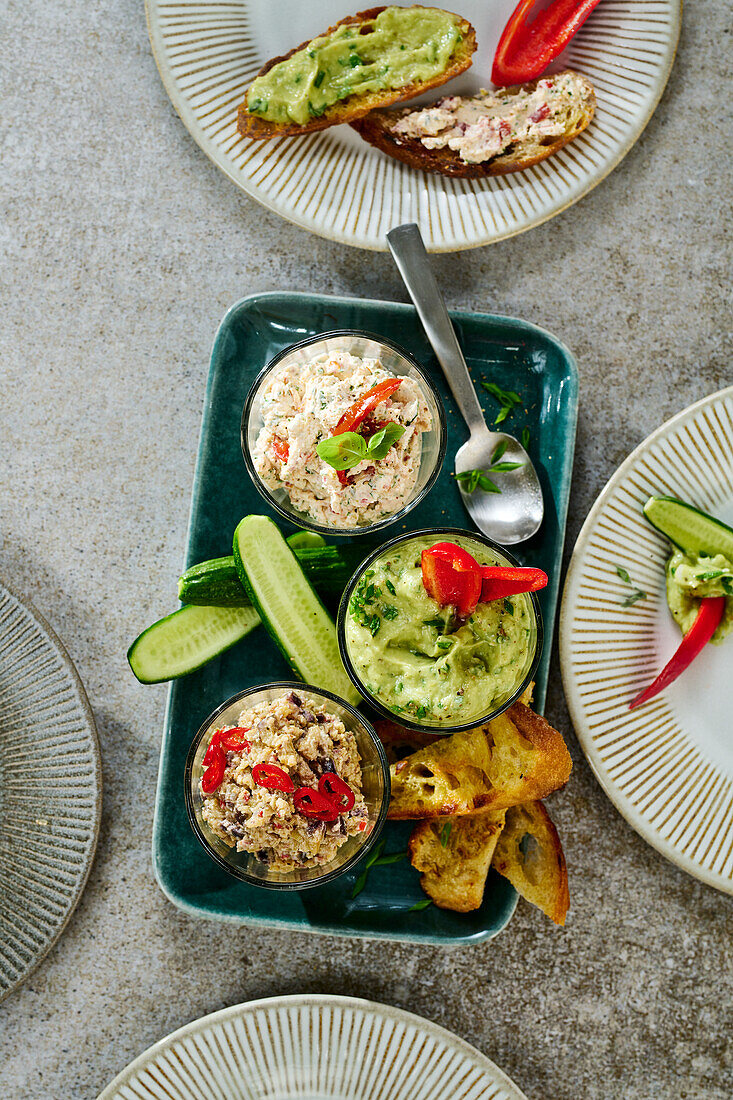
<point>334,184</point>
<point>312,1048</point>
<point>50,790</point>
<point>667,766</point>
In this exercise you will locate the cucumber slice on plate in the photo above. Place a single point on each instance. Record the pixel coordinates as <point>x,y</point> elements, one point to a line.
<point>187,639</point>
<point>693,531</point>
<point>290,610</point>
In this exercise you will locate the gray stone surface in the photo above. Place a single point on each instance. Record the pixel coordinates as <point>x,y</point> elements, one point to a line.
<point>122,247</point>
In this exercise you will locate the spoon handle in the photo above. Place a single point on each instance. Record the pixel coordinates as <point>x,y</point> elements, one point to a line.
<point>408,250</point>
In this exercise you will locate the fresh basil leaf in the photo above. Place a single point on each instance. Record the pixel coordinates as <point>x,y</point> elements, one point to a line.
<point>342,452</point>
<point>382,440</point>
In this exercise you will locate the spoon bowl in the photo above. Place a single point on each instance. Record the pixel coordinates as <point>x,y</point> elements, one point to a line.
<point>505,497</point>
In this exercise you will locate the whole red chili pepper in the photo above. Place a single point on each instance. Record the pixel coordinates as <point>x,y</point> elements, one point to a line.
<point>272,777</point>
<point>336,791</point>
<point>526,48</point>
<point>693,642</point>
<point>451,576</point>
<point>501,581</point>
<point>312,803</point>
<point>212,777</point>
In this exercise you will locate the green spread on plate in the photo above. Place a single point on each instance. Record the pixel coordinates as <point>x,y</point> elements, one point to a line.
<point>690,577</point>
<point>402,46</point>
<point>417,660</point>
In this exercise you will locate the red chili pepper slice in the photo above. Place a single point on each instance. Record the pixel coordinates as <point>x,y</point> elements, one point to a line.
<point>312,803</point>
<point>272,777</point>
<point>527,47</point>
<point>281,447</point>
<point>693,642</point>
<point>336,791</point>
<point>452,576</point>
<point>212,777</point>
<point>223,737</point>
<point>214,744</point>
<point>235,741</point>
<point>500,581</point>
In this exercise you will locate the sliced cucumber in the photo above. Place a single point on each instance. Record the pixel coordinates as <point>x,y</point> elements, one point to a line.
<point>693,531</point>
<point>187,639</point>
<point>290,610</point>
<point>328,568</point>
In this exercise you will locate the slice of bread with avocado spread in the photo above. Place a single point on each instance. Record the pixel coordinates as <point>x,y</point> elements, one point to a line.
<point>372,59</point>
<point>489,134</point>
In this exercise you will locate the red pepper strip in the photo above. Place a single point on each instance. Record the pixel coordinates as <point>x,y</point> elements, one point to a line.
<point>312,803</point>
<point>281,448</point>
<point>452,576</point>
<point>212,777</point>
<point>336,791</point>
<point>361,409</point>
<point>526,49</point>
<point>500,581</point>
<point>272,777</point>
<point>697,637</point>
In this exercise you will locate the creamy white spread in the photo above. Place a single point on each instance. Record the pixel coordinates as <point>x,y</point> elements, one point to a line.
<point>302,404</point>
<point>481,127</point>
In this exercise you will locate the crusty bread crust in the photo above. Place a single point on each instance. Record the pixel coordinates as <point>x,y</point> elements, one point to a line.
<point>539,873</point>
<point>355,106</point>
<point>517,757</point>
<point>376,128</point>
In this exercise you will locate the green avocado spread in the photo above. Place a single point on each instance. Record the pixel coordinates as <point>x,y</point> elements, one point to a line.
<point>417,659</point>
<point>689,578</point>
<point>401,46</point>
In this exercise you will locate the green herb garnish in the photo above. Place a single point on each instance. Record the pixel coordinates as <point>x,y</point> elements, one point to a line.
<point>444,834</point>
<point>389,612</point>
<point>343,452</point>
<point>376,859</point>
<point>623,574</point>
<point>471,480</point>
<point>508,400</point>
<point>633,598</point>
<point>419,905</point>
<point>525,438</point>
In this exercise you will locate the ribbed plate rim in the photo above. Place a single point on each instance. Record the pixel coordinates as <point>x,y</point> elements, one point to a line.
<point>633,817</point>
<point>308,1001</point>
<point>49,636</point>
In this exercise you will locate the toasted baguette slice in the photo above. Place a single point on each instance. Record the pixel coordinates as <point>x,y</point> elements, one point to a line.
<point>376,128</point>
<point>454,856</point>
<point>530,855</point>
<point>346,110</point>
<point>518,757</point>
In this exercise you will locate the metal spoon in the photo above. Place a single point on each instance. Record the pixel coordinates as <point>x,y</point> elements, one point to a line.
<point>515,513</point>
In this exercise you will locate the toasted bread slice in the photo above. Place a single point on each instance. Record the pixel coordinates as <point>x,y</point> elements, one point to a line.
<point>518,757</point>
<point>346,110</point>
<point>399,742</point>
<point>377,129</point>
<point>530,855</point>
<point>454,856</point>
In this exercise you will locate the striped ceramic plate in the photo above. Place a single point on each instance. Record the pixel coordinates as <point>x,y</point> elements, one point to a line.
<point>312,1048</point>
<point>667,766</point>
<point>50,790</point>
<point>336,185</point>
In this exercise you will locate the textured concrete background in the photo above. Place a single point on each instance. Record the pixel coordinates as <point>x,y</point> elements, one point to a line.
<point>122,248</point>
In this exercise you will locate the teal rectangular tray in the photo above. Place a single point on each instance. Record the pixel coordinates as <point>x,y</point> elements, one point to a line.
<point>514,354</point>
